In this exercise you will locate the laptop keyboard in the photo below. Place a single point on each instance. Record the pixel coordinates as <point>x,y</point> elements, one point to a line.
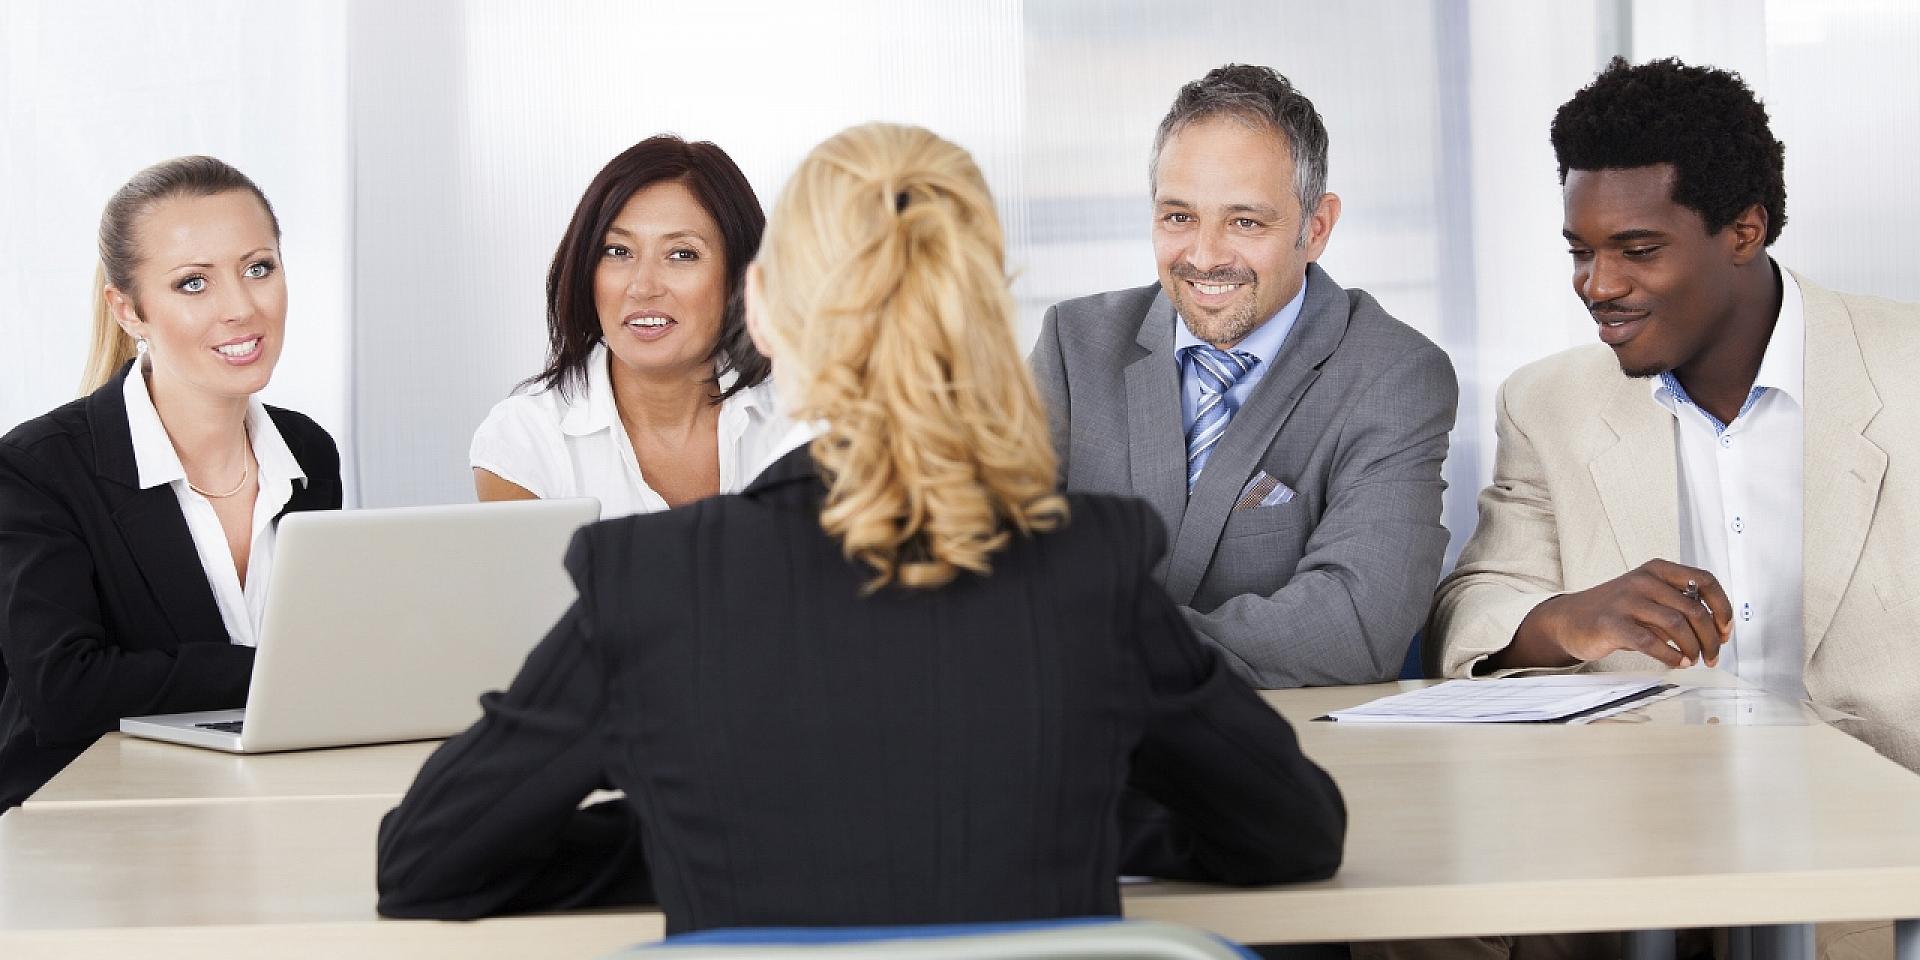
<point>224,726</point>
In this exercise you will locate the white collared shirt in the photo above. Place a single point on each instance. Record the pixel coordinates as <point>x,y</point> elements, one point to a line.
<point>554,447</point>
<point>1741,489</point>
<point>241,605</point>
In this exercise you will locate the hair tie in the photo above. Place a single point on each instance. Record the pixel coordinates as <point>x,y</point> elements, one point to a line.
<point>900,201</point>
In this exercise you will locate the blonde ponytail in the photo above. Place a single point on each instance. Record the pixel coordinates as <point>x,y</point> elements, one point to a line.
<point>886,288</point>
<point>111,348</point>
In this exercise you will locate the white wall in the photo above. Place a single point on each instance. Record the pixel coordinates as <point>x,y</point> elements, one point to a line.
<point>1839,78</point>
<point>91,92</point>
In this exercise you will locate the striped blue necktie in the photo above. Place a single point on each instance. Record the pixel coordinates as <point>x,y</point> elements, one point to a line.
<point>1218,371</point>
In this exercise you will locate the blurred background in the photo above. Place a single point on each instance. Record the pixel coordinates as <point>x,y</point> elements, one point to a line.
<point>424,158</point>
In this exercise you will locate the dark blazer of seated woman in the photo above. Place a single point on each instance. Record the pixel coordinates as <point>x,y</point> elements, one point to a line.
<point>105,610</point>
<point>796,752</point>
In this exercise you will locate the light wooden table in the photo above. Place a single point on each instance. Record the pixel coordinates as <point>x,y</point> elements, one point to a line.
<point>123,769</point>
<point>187,878</point>
<point>1653,821</point>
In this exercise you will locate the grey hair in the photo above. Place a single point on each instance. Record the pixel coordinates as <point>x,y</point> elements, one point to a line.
<point>1257,96</point>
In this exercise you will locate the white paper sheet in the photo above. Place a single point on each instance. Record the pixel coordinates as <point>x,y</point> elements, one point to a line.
<point>1505,700</point>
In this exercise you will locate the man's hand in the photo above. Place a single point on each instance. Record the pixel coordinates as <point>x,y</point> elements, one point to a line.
<point>1647,610</point>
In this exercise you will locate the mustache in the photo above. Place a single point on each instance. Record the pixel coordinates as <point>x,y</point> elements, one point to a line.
<point>1188,272</point>
<point>1614,308</point>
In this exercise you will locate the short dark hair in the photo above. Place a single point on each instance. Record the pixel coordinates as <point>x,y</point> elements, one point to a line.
<point>1703,121</point>
<point>1262,96</point>
<point>573,324</point>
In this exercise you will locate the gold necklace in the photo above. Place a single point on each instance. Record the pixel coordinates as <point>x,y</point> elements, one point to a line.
<point>246,471</point>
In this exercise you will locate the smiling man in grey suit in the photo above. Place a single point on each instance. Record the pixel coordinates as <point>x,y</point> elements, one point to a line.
<point>1289,432</point>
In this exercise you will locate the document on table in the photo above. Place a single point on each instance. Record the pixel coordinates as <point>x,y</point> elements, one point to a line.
<point>1545,699</point>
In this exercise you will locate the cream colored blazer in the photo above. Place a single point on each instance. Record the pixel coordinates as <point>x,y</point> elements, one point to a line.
<point>1585,489</point>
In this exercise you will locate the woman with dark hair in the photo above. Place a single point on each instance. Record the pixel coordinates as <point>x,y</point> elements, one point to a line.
<point>137,522</point>
<point>653,395</point>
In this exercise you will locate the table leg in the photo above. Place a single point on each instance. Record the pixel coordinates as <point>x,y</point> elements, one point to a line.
<point>1906,940</point>
<point>1787,941</point>
<point>1658,945</point>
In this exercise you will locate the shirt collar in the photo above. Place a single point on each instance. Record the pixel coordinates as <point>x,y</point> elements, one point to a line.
<point>270,449</point>
<point>757,400</point>
<point>159,464</point>
<point>153,451</point>
<point>598,411</point>
<point>1783,367</point>
<point>1264,342</point>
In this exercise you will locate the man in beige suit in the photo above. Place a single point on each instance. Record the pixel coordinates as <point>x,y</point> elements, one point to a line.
<point>1732,476</point>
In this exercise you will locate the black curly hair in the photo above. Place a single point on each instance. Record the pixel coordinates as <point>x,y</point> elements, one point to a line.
<point>1703,121</point>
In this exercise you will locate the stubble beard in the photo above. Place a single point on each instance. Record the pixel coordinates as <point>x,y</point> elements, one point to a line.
<point>1641,373</point>
<point>1228,327</point>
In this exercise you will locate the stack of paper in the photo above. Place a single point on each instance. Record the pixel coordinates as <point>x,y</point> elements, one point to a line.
<point>1507,700</point>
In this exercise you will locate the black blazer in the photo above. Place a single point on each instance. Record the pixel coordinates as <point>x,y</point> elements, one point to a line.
<point>794,752</point>
<point>105,611</point>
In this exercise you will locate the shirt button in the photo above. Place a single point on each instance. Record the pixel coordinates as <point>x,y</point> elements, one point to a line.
<point>1746,611</point>
<point>1739,526</point>
<point>1726,441</point>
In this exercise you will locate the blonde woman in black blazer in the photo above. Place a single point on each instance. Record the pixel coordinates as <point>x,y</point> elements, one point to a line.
<point>899,679</point>
<point>136,522</point>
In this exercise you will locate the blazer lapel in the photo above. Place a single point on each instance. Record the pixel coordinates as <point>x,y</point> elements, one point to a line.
<point>157,536</point>
<point>1157,445</point>
<point>1321,327</point>
<point>1840,402</point>
<point>1636,476</point>
<point>321,489</point>
<point>151,524</point>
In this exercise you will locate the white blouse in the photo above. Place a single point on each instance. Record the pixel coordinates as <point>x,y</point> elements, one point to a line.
<point>241,604</point>
<point>554,447</point>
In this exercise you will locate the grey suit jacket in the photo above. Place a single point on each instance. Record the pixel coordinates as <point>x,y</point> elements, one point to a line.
<point>1328,588</point>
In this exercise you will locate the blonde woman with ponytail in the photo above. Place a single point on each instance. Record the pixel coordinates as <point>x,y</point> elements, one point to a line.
<point>137,522</point>
<point>898,679</point>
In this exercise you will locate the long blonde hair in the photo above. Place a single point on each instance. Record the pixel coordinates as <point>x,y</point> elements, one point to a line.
<point>193,176</point>
<point>885,293</point>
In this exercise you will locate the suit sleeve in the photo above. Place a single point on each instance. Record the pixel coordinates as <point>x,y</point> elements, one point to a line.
<point>75,680</point>
<point>1510,565</point>
<point>493,822</point>
<point>1364,583</point>
<point>1219,791</point>
<point>1050,376</point>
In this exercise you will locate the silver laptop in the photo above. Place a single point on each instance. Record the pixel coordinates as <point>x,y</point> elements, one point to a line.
<point>385,625</point>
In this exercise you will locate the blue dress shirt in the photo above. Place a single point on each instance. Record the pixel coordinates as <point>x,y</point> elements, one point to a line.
<point>1264,342</point>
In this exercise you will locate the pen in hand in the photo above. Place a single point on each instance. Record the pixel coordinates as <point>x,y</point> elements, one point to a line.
<point>1693,593</point>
